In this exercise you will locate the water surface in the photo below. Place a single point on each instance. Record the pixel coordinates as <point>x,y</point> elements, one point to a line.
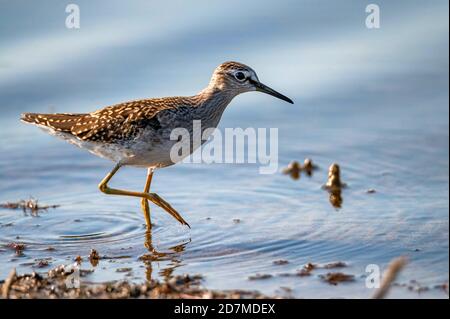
<point>374,101</point>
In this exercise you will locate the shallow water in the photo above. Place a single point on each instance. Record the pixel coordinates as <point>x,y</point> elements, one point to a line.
<point>373,101</point>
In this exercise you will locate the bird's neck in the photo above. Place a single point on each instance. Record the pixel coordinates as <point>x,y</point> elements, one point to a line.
<point>214,98</point>
<point>210,104</point>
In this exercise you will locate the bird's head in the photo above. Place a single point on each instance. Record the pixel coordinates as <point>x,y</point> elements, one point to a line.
<point>236,78</point>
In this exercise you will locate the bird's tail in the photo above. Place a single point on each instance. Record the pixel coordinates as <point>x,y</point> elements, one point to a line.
<point>60,122</point>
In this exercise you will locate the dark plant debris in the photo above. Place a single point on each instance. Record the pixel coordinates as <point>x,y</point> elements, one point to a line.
<point>294,169</point>
<point>308,166</point>
<point>260,276</point>
<point>337,264</point>
<point>6,225</point>
<point>124,269</point>
<point>335,278</point>
<point>18,247</point>
<point>280,262</point>
<point>306,270</point>
<point>53,285</point>
<point>31,205</point>
<point>334,178</point>
<point>94,257</point>
<point>334,186</point>
<point>42,263</point>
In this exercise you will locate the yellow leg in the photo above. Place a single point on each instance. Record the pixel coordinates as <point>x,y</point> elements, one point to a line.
<point>144,202</point>
<point>154,198</point>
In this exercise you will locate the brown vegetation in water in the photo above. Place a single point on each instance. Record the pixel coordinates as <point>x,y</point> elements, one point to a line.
<point>294,169</point>
<point>335,278</point>
<point>334,185</point>
<point>94,257</point>
<point>18,247</point>
<point>280,262</point>
<point>260,276</point>
<point>306,270</point>
<point>31,205</point>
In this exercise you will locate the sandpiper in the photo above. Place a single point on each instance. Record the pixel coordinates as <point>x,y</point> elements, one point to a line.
<point>137,133</point>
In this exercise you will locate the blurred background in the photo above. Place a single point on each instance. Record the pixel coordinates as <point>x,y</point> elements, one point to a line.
<point>373,100</point>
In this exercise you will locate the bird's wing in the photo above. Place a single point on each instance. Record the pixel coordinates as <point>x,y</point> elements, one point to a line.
<point>62,122</point>
<point>118,122</point>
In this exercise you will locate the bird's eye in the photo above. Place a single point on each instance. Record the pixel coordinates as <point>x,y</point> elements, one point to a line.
<point>240,76</point>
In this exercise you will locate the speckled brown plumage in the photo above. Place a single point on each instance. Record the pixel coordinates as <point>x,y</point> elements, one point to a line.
<point>232,66</point>
<point>108,125</point>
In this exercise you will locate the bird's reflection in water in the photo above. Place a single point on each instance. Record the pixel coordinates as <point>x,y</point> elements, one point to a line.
<point>172,256</point>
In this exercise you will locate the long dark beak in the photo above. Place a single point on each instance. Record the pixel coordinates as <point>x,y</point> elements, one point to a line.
<point>264,88</point>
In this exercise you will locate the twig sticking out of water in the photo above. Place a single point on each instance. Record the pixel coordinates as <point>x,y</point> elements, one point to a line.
<point>334,186</point>
<point>295,168</point>
<point>389,276</point>
<point>334,178</point>
<point>308,166</point>
<point>8,282</point>
<point>30,205</point>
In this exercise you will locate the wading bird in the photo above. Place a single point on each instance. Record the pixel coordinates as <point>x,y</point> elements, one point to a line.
<point>137,133</point>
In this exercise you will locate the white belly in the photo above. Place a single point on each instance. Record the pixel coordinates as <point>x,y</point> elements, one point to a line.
<point>147,150</point>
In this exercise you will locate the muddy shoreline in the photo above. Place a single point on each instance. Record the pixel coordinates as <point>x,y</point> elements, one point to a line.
<point>55,285</point>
